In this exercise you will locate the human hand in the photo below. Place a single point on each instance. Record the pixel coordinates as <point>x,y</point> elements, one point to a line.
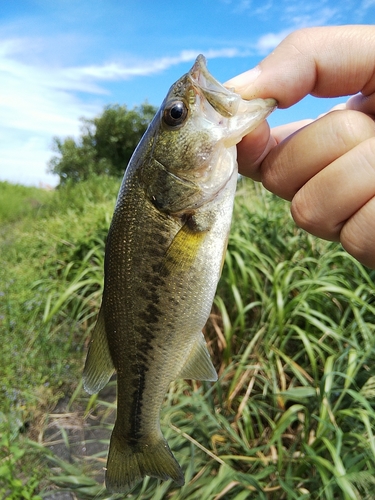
<point>325,167</point>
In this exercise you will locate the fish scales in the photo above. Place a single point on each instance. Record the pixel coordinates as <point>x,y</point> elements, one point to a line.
<point>164,254</point>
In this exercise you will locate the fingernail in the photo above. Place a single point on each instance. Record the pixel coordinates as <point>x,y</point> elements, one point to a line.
<point>243,80</point>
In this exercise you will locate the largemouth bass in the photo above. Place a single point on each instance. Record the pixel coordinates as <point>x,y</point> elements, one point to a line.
<point>163,260</point>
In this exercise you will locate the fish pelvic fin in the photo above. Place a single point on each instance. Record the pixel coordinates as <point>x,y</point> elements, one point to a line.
<point>128,464</point>
<point>198,365</point>
<point>99,365</point>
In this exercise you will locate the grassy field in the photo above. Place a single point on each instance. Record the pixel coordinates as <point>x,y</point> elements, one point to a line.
<point>291,334</point>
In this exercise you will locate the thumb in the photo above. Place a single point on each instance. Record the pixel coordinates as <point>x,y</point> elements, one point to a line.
<point>325,62</point>
<point>253,148</point>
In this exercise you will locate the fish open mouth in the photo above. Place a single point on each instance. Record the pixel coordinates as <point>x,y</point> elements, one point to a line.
<point>240,116</point>
<point>221,99</point>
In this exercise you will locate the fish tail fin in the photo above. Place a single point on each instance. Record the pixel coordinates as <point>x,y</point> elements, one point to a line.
<point>129,464</point>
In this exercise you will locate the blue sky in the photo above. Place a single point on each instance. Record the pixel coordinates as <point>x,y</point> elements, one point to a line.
<point>64,59</point>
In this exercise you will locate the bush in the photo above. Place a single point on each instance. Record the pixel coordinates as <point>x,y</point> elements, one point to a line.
<point>105,146</point>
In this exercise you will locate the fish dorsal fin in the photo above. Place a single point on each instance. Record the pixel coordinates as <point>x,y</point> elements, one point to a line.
<point>99,365</point>
<point>198,365</point>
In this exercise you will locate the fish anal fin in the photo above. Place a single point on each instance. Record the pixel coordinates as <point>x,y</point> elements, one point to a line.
<point>99,365</point>
<point>128,464</point>
<point>198,365</point>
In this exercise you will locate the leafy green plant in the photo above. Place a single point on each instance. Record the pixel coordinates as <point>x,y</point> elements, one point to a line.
<point>19,201</point>
<point>291,334</point>
<point>12,453</point>
<point>105,145</point>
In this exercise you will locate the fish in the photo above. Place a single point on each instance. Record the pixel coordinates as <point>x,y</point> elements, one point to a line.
<point>163,259</point>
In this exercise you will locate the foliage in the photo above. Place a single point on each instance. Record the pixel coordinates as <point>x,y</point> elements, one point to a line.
<point>20,201</point>
<point>105,145</point>
<point>13,452</point>
<point>39,360</point>
<point>291,334</point>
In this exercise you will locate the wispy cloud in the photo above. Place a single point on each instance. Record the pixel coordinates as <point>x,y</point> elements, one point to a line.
<point>63,60</point>
<point>269,41</point>
<point>367,4</point>
<point>295,16</point>
<point>118,71</point>
<point>38,102</point>
<point>292,14</point>
<point>32,97</point>
<point>310,16</point>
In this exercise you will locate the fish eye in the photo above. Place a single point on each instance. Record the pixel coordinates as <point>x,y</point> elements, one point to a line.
<point>175,114</point>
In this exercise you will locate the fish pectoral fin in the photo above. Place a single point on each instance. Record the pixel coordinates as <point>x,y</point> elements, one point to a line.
<point>99,365</point>
<point>128,464</point>
<point>182,252</point>
<point>198,365</point>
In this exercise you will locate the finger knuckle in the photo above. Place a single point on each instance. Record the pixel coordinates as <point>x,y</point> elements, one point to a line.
<point>351,127</point>
<point>275,177</point>
<point>300,39</point>
<point>363,160</point>
<point>304,214</point>
<point>357,235</point>
<point>356,243</point>
<point>368,152</point>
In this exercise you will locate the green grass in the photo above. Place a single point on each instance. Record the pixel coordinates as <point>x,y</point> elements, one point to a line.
<point>17,201</point>
<point>40,256</point>
<point>16,481</point>
<point>291,334</point>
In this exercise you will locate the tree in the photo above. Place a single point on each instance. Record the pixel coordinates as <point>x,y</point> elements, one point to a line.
<point>105,145</point>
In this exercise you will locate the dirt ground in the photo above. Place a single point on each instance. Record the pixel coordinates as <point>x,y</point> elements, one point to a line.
<point>78,440</point>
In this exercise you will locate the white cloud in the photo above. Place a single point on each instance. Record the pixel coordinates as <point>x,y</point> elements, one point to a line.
<point>38,102</point>
<point>311,17</point>
<point>23,161</point>
<point>35,104</point>
<point>296,16</point>
<point>264,9</point>
<point>269,41</point>
<point>367,4</point>
<point>115,71</point>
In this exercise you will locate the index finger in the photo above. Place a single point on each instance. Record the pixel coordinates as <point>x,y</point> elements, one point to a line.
<point>324,62</point>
